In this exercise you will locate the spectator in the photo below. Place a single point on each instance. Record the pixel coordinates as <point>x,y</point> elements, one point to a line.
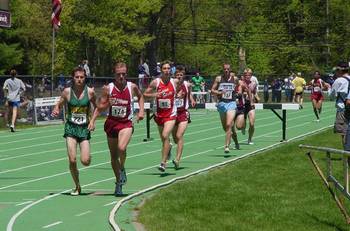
<point>141,75</point>
<point>197,84</point>
<point>266,91</point>
<point>288,87</point>
<point>276,90</point>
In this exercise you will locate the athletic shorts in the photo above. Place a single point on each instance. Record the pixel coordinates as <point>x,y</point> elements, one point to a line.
<point>183,116</point>
<point>223,107</point>
<point>299,93</point>
<point>79,132</point>
<point>14,103</point>
<point>316,96</point>
<point>341,123</point>
<point>247,108</point>
<point>113,127</point>
<point>160,121</point>
<point>239,111</point>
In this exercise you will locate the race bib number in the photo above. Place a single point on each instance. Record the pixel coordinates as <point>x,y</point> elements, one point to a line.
<point>226,87</point>
<point>317,89</point>
<point>164,103</point>
<point>227,95</point>
<point>179,102</point>
<point>78,118</point>
<point>119,111</point>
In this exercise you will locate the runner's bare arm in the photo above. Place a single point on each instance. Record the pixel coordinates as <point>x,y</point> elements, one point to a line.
<point>63,99</point>
<point>149,92</point>
<point>193,102</point>
<point>141,100</point>
<point>92,98</point>
<point>214,88</point>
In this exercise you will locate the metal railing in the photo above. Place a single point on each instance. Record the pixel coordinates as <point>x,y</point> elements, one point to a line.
<point>329,178</point>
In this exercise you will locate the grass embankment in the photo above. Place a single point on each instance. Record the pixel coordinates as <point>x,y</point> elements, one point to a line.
<point>275,190</point>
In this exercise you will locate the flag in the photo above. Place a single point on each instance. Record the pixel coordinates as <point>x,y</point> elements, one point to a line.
<point>56,11</point>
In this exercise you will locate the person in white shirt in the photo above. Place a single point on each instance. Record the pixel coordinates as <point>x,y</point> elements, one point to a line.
<point>340,90</point>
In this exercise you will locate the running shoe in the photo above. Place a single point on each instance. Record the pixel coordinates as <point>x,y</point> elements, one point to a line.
<point>176,164</point>
<point>76,191</point>
<point>161,167</point>
<point>169,153</point>
<point>12,128</point>
<point>237,147</point>
<point>118,190</point>
<point>226,150</point>
<point>123,178</point>
<point>250,142</point>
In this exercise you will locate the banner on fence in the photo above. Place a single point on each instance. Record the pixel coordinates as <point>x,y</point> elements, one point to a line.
<point>43,109</point>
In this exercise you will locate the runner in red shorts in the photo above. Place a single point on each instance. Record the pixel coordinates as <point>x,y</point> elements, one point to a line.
<point>164,90</point>
<point>118,98</point>
<point>183,115</point>
<point>317,85</point>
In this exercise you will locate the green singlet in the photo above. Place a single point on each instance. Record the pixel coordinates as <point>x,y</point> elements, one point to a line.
<point>77,117</point>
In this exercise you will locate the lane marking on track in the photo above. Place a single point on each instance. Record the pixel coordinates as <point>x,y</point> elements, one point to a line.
<point>83,213</point>
<point>53,224</point>
<point>16,215</point>
<point>24,203</point>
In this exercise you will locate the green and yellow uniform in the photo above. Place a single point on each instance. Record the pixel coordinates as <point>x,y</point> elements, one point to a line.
<point>77,117</point>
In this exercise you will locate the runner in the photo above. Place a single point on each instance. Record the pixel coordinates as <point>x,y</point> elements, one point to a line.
<point>13,88</point>
<point>163,89</point>
<point>249,107</point>
<point>183,115</point>
<point>118,98</point>
<point>223,87</point>
<point>317,85</point>
<point>242,93</point>
<point>299,84</point>
<point>78,99</point>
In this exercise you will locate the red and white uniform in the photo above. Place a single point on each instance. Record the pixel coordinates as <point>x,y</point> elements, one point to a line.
<point>182,104</point>
<point>316,89</point>
<point>165,102</point>
<point>120,110</point>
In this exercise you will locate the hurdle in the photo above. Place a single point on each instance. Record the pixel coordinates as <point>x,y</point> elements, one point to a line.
<point>147,107</point>
<point>273,107</point>
<point>330,178</point>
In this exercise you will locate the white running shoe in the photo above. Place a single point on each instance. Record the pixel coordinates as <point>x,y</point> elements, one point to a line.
<point>226,150</point>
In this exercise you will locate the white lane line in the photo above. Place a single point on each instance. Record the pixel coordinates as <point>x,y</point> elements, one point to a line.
<point>84,213</point>
<point>24,203</point>
<point>15,216</point>
<point>53,224</point>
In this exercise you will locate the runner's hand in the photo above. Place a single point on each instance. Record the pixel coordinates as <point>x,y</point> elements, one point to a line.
<point>91,126</point>
<point>139,117</point>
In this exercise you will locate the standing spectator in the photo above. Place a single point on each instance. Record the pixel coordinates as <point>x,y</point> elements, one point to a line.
<point>340,90</point>
<point>266,91</point>
<point>197,83</point>
<point>141,75</point>
<point>87,71</point>
<point>276,91</point>
<point>288,87</point>
<point>13,88</point>
<point>299,84</point>
<point>147,73</point>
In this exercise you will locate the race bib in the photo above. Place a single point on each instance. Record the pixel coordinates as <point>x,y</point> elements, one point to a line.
<point>179,102</point>
<point>317,89</point>
<point>226,87</point>
<point>119,111</point>
<point>227,95</point>
<point>78,118</point>
<point>164,103</point>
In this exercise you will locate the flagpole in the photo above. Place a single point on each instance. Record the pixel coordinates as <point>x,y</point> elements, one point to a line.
<point>52,58</point>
